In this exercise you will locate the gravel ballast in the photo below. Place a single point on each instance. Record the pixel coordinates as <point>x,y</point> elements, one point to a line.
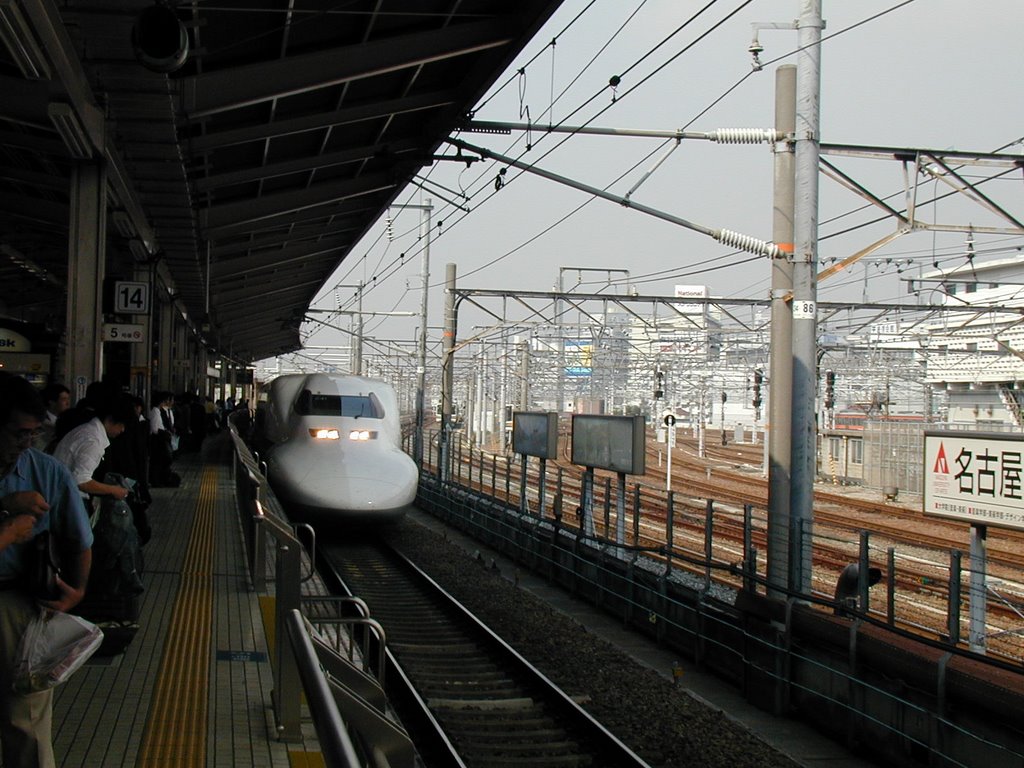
<point>660,722</point>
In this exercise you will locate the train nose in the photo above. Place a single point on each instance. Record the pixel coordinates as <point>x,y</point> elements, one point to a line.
<point>349,479</point>
<point>380,481</point>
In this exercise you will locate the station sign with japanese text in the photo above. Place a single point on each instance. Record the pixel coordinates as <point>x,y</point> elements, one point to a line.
<point>974,477</point>
<point>123,332</point>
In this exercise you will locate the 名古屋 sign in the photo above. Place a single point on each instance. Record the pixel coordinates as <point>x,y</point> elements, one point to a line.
<point>977,478</point>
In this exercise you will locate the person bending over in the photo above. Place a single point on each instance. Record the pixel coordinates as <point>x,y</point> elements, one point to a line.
<point>81,450</point>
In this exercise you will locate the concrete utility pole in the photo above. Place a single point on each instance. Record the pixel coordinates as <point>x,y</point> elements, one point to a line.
<point>357,362</point>
<point>447,369</point>
<point>560,326</point>
<point>805,294</point>
<point>421,367</point>
<point>780,374</point>
<point>524,375</point>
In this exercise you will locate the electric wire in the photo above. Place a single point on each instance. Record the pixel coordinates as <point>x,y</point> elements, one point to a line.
<point>576,18</point>
<point>716,101</point>
<point>713,103</point>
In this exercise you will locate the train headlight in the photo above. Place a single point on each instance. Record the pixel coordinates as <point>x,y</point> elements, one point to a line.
<point>359,434</point>
<point>325,434</point>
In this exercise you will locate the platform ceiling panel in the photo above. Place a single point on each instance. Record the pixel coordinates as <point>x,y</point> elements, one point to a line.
<point>287,132</point>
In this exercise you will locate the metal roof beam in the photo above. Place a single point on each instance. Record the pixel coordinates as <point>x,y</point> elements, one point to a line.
<point>268,206</point>
<point>235,87</point>
<point>34,178</point>
<point>296,236</point>
<point>280,271</point>
<point>32,142</point>
<point>262,293</point>
<point>278,312</point>
<point>227,268</point>
<point>373,111</point>
<point>303,164</point>
<point>25,101</point>
<point>284,221</point>
<point>34,209</point>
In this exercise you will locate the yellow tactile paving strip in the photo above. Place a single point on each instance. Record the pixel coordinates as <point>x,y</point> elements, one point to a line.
<point>176,731</point>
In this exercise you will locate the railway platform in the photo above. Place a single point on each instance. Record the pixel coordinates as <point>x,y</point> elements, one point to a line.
<point>193,688</point>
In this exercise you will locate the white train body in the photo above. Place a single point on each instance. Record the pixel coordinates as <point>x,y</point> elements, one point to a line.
<point>335,447</point>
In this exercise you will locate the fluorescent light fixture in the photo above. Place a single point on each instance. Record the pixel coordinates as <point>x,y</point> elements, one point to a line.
<point>72,131</point>
<point>24,262</point>
<point>16,34</point>
<point>138,249</point>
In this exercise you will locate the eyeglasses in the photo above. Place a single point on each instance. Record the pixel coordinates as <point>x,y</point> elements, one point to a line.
<point>25,436</point>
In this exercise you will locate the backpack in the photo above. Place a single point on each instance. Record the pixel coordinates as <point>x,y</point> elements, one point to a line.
<point>112,597</point>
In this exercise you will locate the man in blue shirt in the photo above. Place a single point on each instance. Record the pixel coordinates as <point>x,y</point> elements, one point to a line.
<point>37,493</point>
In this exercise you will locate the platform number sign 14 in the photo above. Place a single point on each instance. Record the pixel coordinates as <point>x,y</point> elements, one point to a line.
<point>131,298</point>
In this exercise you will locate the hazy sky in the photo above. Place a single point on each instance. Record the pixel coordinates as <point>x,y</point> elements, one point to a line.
<point>930,73</point>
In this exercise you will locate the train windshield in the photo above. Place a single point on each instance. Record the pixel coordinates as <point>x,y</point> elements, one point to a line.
<point>354,406</point>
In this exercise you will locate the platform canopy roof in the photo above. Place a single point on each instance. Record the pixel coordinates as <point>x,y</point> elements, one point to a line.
<point>247,175</point>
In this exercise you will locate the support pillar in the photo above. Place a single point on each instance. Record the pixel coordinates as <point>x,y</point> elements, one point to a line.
<point>87,237</point>
<point>223,384</point>
<point>780,376</point>
<point>805,295</point>
<point>163,357</point>
<point>141,354</point>
<point>978,588</point>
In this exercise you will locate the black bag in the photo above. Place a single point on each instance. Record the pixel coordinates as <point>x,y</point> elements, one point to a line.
<point>43,567</point>
<point>115,580</point>
<point>140,517</point>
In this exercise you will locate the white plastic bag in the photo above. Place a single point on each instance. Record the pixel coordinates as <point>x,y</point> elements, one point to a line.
<point>53,647</point>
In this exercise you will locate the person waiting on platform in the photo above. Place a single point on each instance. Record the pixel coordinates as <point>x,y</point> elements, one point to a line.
<point>81,450</point>
<point>57,399</point>
<point>162,440</point>
<point>37,493</point>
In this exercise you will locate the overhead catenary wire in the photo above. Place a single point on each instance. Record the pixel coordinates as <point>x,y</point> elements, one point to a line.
<point>730,237</point>
<point>664,40</point>
<point>385,274</point>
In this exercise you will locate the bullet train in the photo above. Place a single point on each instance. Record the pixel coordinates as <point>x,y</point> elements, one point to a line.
<point>332,444</point>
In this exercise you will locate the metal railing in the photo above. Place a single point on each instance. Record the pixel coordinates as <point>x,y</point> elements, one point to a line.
<point>258,527</point>
<point>342,678</point>
<point>721,539</point>
<point>335,743</point>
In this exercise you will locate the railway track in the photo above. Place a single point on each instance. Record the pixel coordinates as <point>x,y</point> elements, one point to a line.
<point>494,708</point>
<point>925,542</point>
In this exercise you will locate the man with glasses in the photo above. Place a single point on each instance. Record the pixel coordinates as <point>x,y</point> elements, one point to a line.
<point>37,493</point>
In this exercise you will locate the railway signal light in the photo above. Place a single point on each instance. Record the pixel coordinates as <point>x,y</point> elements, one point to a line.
<point>758,378</point>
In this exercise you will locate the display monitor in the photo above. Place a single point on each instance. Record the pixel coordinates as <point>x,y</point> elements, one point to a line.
<point>615,443</point>
<point>535,434</point>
